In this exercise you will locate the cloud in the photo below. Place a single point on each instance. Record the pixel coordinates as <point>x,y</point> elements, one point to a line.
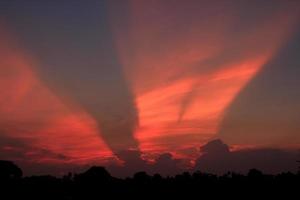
<point>215,147</point>
<point>77,64</point>
<point>34,160</point>
<point>164,164</point>
<point>131,163</point>
<point>267,111</point>
<point>187,67</point>
<point>33,117</point>
<point>186,102</point>
<point>218,159</point>
<point>167,165</point>
<point>215,157</point>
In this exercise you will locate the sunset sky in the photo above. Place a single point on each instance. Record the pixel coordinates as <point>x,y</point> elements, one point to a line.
<point>83,81</point>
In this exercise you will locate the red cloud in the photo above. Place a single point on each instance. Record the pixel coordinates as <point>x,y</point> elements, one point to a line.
<point>186,63</point>
<point>30,112</point>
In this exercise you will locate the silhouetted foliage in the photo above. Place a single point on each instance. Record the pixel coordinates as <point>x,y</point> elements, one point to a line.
<point>97,183</point>
<point>8,170</point>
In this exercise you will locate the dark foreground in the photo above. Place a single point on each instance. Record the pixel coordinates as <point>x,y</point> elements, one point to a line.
<point>97,183</point>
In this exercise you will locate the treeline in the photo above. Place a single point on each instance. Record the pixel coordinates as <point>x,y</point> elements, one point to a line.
<point>97,183</point>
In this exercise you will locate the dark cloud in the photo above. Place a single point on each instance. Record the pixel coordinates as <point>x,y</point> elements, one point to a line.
<point>164,164</point>
<point>215,157</point>
<point>132,162</point>
<point>22,149</point>
<point>215,147</point>
<point>218,159</point>
<point>32,159</point>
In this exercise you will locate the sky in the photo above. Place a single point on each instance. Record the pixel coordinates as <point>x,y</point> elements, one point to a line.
<point>147,82</point>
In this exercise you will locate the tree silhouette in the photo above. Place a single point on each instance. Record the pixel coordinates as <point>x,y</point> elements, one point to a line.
<point>97,182</point>
<point>8,170</point>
